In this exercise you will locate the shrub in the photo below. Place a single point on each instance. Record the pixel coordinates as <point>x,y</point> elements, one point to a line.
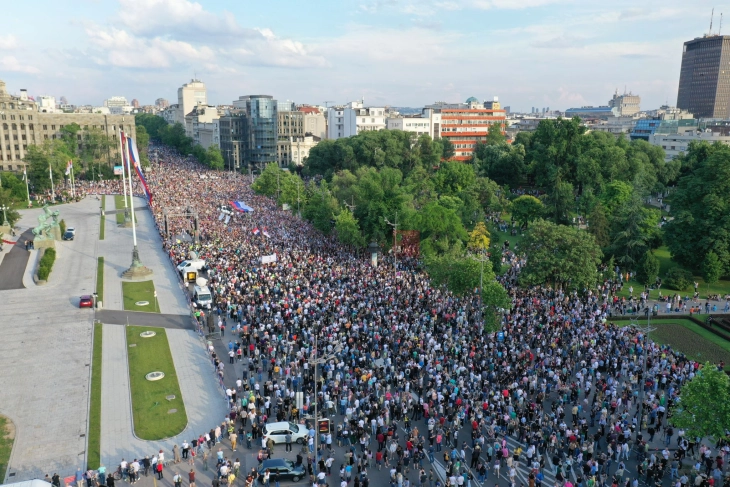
<point>62,225</point>
<point>46,264</point>
<point>678,279</point>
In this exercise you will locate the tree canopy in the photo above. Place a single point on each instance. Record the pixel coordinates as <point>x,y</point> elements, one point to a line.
<point>703,408</point>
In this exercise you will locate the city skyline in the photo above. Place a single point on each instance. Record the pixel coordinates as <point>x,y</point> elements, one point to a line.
<point>556,53</point>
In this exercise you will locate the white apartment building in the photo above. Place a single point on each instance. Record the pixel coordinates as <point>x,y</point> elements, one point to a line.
<point>201,114</point>
<point>170,114</point>
<point>189,96</point>
<point>207,134</point>
<point>353,118</point>
<point>675,144</point>
<point>418,125</point>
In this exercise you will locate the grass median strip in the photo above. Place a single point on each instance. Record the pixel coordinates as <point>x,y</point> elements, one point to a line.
<point>100,279</point>
<point>139,292</point>
<point>94,448</point>
<point>119,203</point>
<point>7,437</point>
<point>102,218</point>
<point>156,414</point>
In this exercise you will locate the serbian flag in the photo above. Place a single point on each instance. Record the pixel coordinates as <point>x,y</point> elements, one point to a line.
<point>241,206</point>
<point>69,166</point>
<point>266,233</point>
<point>137,164</point>
<point>256,231</point>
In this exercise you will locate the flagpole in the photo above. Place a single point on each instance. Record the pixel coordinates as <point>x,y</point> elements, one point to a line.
<point>73,183</point>
<point>136,270</point>
<point>131,193</point>
<point>121,154</point>
<point>53,191</point>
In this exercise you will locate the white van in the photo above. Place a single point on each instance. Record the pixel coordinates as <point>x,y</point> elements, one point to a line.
<point>189,266</point>
<point>202,296</point>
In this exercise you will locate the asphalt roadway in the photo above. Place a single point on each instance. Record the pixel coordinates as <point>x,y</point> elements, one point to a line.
<point>14,263</point>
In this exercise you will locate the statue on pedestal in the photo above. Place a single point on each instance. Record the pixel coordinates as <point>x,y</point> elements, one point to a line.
<point>48,227</point>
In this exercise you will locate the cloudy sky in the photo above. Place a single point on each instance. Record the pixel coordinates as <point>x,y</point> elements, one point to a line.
<point>556,53</point>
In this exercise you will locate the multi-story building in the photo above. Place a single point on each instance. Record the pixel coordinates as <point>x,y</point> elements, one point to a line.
<point>135,103</point>
<point>46,104</point>
<point>162,103</point>
<point>704,79</point>
<point>199,114</point>
<point>627,104</point>
<point>22,125</point>
<point>353,118</point>
<point>118,105</point>
<point>231,131</point>
<point>261,131</point>
<point>170,114</point>
<point>464,124</point>
<point>603,112</point>
<point>189,96</point>
<point>315,122</point>
<point>294,150</point>
<point>417,124</point>
<point>207,134</point>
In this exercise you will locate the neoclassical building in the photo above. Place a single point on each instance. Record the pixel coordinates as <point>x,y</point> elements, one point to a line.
<point>22,124</point>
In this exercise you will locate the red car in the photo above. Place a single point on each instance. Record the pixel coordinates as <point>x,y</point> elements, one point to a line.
<point>86,302</point>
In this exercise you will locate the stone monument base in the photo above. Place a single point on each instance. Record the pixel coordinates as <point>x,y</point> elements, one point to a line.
<point>5,230</point>
<point>136,270</point>
<point>44,243</point>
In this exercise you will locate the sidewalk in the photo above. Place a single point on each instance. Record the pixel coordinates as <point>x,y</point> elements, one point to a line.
<point>116,249</point>
<point>204,403</point>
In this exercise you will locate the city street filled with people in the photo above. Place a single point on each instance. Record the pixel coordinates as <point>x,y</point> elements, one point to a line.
<point>417,392</point>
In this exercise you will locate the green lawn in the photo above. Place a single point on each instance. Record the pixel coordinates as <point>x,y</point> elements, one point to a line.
<point>7,436</point>
<point>139,291</point>
<point>119,203</point>
<point>150,408</point>
<point>100,279</point>
<point>689,338</point>
<point>665,263</point>
<point>513,240</point>
<point>102,218</point>
<point>94,438</point>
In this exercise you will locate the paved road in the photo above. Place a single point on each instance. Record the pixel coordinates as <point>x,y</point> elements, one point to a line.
<point>117,317</point>
<point>14,264</point>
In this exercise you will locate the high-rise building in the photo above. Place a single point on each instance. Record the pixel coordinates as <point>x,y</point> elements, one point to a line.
<point>162,103</point>
<point>261,131</point>
<point>704,80</point>
<point>353,118</point>
<point>189,96</point>
<point>135,103</point>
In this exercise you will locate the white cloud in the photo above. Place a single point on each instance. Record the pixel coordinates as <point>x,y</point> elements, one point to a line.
<point>158,17</point>
<point>8,42</point>
<point>10,63</point>
<point>126,50</point>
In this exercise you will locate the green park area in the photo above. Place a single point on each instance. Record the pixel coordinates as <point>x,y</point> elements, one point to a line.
<point>7,437</point>
<point>94,447</point>
<point>100,279</point>
<point>157,405</point>
<point>140,292</point>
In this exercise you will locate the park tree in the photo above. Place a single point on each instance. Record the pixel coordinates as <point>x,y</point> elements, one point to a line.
<point>7,199</point>
<point>348,230</point>
<point>700,206</point>
<point>598,226</point>
<point>563,256</point>
<point>321,207</point>
<point>214,158</point>
<point>526,208</point>
<point>440,227</point>
<point>495,136</point>
<point>462,275</point>
<point>703,408</point>
<point>648,269</point>
<point>479,238</point>
<point>711,268</point>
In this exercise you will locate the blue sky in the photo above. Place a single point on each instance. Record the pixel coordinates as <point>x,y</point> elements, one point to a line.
<point>556,53</point>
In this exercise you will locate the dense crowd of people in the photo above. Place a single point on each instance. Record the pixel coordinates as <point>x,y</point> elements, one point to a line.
<point>409,373</point>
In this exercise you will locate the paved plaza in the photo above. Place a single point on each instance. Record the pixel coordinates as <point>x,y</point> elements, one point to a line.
<point>45,351</point>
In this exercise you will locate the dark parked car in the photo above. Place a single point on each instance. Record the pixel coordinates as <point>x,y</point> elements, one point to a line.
<point>68,235</point>
<point>86,302</point>
<point>286,469</point>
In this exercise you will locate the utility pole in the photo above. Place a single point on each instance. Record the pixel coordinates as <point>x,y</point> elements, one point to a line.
<point>395,242</point>
<point>323,359</point>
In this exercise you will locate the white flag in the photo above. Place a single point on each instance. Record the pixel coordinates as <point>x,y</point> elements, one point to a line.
<point>24,175</point>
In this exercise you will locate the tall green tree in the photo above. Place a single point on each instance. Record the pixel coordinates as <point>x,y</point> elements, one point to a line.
<point>711,268</point>
<point>495,135</point>
<point>648,269</point>
<point>563,256</point>
<point>214,158</point>
<point>700,207</point>
<point>703,409</point>
<point>526,208</point>
<point>599,227</point>
<point>348,230</point>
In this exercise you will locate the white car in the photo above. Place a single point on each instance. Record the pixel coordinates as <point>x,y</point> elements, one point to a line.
<point>72,230</point>
<point>277,432</point>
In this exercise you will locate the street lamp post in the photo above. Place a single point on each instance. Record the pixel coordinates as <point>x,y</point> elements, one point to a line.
<point>316,361</point>
<point>646,330</point>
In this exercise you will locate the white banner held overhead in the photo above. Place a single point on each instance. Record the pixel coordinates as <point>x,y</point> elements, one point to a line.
<point>221,216</point>
<point>267,259</point>
<point>228,218</point>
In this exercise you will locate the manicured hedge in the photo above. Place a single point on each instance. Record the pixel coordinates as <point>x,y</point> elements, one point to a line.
<point>46,264</point>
